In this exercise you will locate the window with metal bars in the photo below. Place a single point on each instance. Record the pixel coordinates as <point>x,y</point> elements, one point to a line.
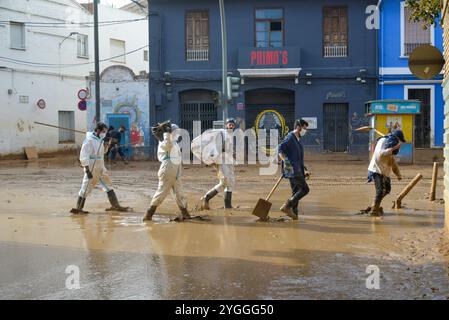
<point>335,32</point>
<point>414,33</point>
<point>197,35</point>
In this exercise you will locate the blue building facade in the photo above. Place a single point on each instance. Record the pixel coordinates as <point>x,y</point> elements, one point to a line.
<point>397,38</point>
<point>310,59</point>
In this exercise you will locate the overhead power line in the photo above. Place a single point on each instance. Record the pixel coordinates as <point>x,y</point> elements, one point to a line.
<point>55,65</point>
<point>89,24</point>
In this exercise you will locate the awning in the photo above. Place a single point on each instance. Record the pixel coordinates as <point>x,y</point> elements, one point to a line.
<point>270,73</point>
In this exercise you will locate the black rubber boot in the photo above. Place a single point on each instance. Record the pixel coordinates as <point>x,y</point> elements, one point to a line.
<point>184,213</point>
<point>115,206</point>
<point>287,208</point>
<point>228,200</point>
<point>295,210</point>
<point>79,206</point>
<point>150,212</point>
<point>376,210</point>
<point>206,198</point>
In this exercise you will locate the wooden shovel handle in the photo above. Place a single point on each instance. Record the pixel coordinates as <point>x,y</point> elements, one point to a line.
<point>274,188</point>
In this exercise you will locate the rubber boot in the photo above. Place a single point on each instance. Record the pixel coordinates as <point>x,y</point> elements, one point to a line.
<point>295,211</point>
<point>206,198</point>
<point>79,206</point>
<point>376,211</point>
<point>115,206</point>
<point>228,200</point>
<point>288,210</point>
<point>367,210</point>
<point>184,214</point>
<point>150,212</point>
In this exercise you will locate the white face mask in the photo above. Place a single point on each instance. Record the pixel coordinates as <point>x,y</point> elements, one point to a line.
<point>102,135</point>
<point>303,132</point>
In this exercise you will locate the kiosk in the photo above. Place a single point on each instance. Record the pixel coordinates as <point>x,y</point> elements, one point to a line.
<point>387,115</point>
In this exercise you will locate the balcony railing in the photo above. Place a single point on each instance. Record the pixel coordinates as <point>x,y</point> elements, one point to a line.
<point>409,47</point>
<point>197,55</point>
<point>335,51</point>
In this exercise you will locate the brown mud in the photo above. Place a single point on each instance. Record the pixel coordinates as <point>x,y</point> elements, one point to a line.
<point>323,255</point>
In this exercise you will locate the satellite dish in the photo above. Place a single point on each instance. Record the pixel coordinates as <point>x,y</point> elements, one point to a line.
<point>425,62</point>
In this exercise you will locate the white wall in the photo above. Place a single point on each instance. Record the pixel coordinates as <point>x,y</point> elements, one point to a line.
<point>17,127</point>
<point>135,35</point>
<point>57,86</point>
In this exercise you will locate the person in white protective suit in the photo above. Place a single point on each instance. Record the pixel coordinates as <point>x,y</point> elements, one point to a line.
<point>225,169</point>
<point>170,170</point>
<point>92,160</point>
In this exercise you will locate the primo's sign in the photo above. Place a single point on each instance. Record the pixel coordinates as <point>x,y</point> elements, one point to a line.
<point>269,57</point>
<point>259,58</point>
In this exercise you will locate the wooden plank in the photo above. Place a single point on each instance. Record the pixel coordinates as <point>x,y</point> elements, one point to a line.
<point>31,153</point>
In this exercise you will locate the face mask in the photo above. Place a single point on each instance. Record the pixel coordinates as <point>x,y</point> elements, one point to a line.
<point>303,132</point>
<point>102,135</point>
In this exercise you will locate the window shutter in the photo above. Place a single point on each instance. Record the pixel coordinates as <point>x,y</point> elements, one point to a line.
<point>117,49</point>
<point>414,33</point>
<point>17,35</point>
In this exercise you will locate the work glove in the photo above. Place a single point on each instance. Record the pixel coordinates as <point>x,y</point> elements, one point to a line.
<point>88,173</point>
<point>306,173</point>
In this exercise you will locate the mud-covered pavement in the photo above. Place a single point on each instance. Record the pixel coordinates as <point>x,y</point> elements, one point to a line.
<point>324,255</point>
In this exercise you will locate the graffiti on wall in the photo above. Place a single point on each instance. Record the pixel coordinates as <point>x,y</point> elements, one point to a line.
<point>130,106</point>
<point>126,104</point>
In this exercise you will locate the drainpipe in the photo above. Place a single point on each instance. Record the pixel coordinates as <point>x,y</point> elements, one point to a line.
<point>152,108</point>
<point>378,51</point>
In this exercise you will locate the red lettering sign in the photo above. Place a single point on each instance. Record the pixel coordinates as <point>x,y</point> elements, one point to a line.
<point>253,57</point>
<point>284,57</point>
<point>268,57</point>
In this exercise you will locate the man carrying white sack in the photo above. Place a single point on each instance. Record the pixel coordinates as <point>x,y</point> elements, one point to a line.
<point>225,168</point>
<point>92,160</point>
<point>169,154</point>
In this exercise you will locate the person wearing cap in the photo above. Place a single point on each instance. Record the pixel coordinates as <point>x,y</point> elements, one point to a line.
<point>92,160</point>
<point>291,152</point>
<point>170,170</point>
<point>225,169</point>
<point>380,168</point>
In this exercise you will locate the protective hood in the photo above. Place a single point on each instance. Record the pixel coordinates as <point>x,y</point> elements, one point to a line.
<point>91,136</point>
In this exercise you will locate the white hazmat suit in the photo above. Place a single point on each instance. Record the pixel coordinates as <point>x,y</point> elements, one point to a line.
<point>92,155</point>
<point>169,174</point>
<point>216,147</point>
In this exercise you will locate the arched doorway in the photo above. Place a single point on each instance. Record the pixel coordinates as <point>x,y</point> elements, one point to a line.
<point>270,108</point>
<point>197,105</point>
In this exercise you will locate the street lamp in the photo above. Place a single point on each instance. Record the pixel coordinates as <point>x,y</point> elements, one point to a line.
<point>71,34</point>
<point>224,59</point>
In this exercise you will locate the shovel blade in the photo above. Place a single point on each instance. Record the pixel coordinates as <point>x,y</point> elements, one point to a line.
<point>262,209</point>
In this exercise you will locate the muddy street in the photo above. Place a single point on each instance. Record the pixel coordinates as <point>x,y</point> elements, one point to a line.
<point>324,255</point>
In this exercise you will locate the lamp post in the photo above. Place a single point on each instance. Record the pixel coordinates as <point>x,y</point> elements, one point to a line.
<point>71,34</point>
<point>224,60</point>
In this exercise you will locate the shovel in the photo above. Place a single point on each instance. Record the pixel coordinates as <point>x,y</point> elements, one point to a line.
<point>368,129</point>
<point>263,206</point>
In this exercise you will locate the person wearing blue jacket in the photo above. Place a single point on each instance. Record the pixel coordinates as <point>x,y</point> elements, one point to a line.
<point>291,150</point>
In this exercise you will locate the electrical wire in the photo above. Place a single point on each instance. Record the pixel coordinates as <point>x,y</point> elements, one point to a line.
<point>141,7</point>
<point>56,65</point>
<point>87,24</point>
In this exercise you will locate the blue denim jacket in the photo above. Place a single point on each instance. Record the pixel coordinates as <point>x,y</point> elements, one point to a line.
<point>293,149</point>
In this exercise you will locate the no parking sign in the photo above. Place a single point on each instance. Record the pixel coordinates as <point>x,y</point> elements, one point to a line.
<point>82,95</point>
